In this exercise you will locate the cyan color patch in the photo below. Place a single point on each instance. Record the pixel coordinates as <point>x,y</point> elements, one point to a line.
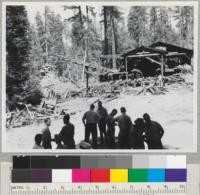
<point>156,175</point>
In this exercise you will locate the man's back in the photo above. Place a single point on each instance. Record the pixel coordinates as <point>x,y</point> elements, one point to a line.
<point>91,117</point>
<point>124,122</point>
<point>136,137</point>
<point>110,121</point>
<point>154,131</point>
<point>46,138</point>
<point>102,112</point>
<point>67,133</point>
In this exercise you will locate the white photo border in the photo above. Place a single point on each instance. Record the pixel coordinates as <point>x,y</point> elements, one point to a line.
<point>195,4</point>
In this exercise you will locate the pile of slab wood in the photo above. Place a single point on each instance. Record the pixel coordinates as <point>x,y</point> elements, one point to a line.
<point>176,78</point>
<point>28,115</point>
<point>152,89</point>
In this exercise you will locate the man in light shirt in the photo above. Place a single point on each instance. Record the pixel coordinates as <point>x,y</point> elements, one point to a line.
<point>90,120</point>
<point>125,125</point>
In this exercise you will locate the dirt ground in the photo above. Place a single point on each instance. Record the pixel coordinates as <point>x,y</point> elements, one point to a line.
<point>174,111</point>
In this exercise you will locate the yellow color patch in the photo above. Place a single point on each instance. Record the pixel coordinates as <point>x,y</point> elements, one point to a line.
<point>119,175</point>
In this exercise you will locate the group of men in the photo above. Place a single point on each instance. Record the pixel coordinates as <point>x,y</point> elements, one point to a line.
<point>131,135</point>
<point>64,140</point>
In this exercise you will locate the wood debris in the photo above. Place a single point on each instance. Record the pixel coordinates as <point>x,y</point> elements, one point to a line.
<point>176,78</point>
<point>28,115</point>
<point>152,89</point>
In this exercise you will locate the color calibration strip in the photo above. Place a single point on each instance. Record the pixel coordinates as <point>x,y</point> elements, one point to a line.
<point>98,175</point>
<point>100,162</point>
<point>191,187</point>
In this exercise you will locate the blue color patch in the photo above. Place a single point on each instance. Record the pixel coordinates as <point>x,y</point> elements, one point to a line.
<point>156,175</point>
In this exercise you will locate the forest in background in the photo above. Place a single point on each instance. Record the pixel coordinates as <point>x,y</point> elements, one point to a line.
<point>57,45</point>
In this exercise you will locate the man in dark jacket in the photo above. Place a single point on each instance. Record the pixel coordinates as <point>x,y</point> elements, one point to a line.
<point>67,133</point>
<point>137,134</point>
<point>125,124</point>
<point>153,133</point>
<point>111,128</point>
<point>103,114</point>
<point>46,134</point>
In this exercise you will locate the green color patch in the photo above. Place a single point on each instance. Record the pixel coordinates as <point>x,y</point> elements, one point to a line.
<point>137,175</point>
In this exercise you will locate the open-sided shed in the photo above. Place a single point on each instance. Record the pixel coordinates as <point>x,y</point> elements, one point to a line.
<point>157,58</point>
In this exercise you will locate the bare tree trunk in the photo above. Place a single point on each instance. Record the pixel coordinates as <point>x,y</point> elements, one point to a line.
<point>105,12</point>
<point>113,43</point>
<point>45,26</point>
<point>86,53</point>
<point>84,63</point>
<point>80,15</point>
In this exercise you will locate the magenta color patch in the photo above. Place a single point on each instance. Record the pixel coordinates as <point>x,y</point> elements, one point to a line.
<point>80,175</point>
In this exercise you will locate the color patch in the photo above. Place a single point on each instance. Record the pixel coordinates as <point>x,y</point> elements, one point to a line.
<point>175,175</point>
<point>62,175</point>
<point>89,162</point>
<point>106,162</point>
<point>54,162</point>
<point>154,163</point>
<point>41,176</point>
<point>119,175</point>
<point>100,175</point>
<point>156,175</point>
<point>122,162</point>
<point>176,162</point>
<point>140,162</point>
<point>21,176</point>
<point>21,162</point>
<point>137,175</point>
<point>80,175</point>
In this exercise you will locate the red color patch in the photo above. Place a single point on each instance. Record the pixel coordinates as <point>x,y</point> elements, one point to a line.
<point>100,175</point>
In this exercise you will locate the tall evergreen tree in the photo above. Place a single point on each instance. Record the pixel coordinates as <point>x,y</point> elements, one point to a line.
<point>153,22</point>
<point>112,21</point>
<point>105,23</point>
<point>184,18</point>
<point>83,31</point>
<point>36,52</point>
<point>160,25</point>
<point>55,45</point>
<point>40,30</point>
<point>137,23</point>
<point>17,49</point>
<point>78,28</point>
<point>49,40</point>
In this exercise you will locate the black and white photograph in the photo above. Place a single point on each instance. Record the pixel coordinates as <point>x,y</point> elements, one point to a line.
<point>89,77</point>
